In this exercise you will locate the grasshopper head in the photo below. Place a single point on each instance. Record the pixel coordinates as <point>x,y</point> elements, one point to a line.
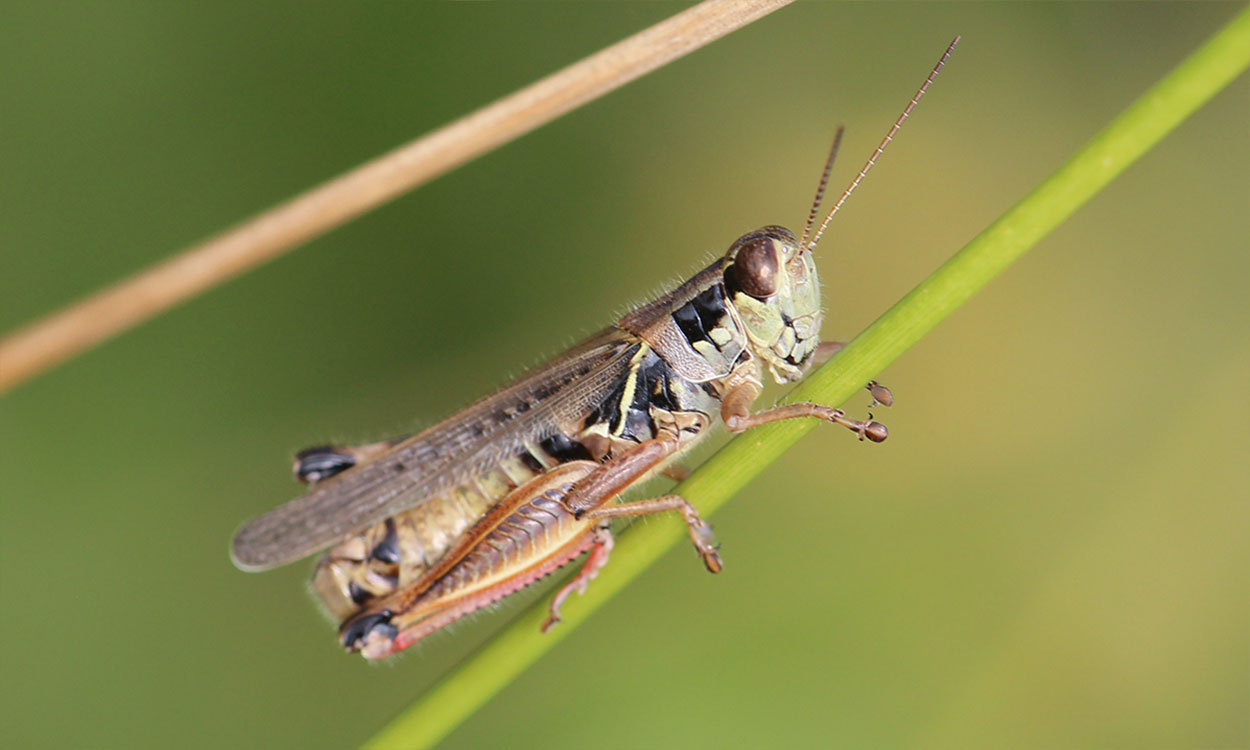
<point>771,281</point>
<point>770,275</point>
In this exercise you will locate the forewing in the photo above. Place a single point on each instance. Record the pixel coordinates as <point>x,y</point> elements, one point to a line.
<point>552,397</point>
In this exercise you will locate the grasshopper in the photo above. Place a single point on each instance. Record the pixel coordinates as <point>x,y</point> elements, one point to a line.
<point>427,528</point>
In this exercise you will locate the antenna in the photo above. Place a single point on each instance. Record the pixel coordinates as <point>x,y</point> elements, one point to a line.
<point>876,154</point>
<point>824,183</point>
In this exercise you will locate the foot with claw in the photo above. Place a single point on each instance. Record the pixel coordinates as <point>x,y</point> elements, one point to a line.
<point>705,542</point>
<point>871,429</point>
<point>881,396</point>
<point>676,472</point>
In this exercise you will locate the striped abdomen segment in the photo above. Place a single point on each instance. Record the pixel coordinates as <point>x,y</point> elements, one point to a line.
<point>525,537</point>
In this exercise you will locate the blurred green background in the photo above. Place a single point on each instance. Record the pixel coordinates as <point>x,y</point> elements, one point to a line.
<point>1050,551</point>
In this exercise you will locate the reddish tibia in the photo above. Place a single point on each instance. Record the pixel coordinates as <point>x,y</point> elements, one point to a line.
<point>598,557</point>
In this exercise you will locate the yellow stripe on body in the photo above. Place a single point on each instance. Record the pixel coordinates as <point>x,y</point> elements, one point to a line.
<point>631,384</point>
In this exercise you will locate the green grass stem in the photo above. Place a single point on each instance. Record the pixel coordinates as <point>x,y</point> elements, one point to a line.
<point>1178,95</point>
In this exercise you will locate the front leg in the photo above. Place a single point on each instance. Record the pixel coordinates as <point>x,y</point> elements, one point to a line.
<point>736,412</point>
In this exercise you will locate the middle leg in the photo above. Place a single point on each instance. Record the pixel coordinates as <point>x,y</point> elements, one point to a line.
<point>700,532</point>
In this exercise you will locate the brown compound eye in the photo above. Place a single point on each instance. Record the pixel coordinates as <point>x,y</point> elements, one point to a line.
<point>755,268</point>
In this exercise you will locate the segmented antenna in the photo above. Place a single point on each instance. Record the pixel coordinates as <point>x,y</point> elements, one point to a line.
<point>820,189</point>
<point>884,142</point>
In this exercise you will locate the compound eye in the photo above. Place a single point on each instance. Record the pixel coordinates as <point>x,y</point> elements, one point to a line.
<point>755,268</point>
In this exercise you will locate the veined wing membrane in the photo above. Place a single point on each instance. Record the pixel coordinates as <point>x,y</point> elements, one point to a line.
<point>547,399</point>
